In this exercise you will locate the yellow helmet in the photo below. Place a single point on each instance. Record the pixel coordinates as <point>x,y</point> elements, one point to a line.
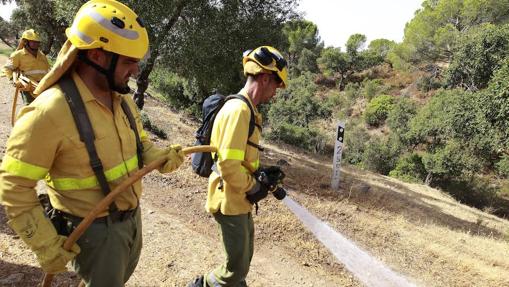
<point>30,35</point>
<point>267,59</point>
<point>109,25</point>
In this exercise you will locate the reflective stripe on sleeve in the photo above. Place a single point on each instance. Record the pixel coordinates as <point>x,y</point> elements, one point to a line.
<point>22,169</point>
<point>91,181</point>
<point>225,154</point>
<point>254,164</point>
<point>34,72</point>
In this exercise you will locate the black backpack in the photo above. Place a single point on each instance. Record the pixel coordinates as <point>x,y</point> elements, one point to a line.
<point>202,162</point>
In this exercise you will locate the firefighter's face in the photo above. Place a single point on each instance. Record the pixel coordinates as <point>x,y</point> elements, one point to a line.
<point>127,67</point>
<point>271,83</point>
<point>34,45</point>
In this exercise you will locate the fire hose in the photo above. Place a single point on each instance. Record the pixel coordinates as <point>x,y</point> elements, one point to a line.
<point>22,84</point>
<point>106,201</point>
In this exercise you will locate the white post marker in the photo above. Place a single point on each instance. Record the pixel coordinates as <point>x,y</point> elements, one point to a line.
<point>338,150</point>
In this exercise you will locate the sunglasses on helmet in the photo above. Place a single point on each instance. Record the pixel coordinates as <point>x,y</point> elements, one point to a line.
<point>265,57</point>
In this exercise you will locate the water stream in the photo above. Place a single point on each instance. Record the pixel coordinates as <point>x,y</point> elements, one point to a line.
<point>363,266</point>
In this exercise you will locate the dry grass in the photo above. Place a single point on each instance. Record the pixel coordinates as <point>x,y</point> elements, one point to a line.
<point>416,230</point>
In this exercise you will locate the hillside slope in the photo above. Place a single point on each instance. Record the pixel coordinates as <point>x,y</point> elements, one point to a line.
<point>418,231</point>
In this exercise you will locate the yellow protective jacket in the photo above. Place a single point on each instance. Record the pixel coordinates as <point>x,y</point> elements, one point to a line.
<point>32,67</point>
<point>229,135</point>
<point>45,143</point>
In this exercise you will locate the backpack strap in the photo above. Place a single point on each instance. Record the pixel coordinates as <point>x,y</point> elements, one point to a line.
<point>86,132</point>
<point>252,122</point>
<point>132,123</point>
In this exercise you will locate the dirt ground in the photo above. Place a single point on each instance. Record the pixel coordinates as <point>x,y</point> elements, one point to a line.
<point>415,230</point>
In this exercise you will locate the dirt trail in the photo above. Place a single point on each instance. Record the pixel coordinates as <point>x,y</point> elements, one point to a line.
<point>175,251</point>
<point>417,231</point>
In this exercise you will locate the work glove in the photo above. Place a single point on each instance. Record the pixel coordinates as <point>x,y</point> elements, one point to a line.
<point>267,179</point>
<point>36,230</point>
<point>54,258</point>
<point>175,157</point>
<point>270,176</point>
<point>257,193</point>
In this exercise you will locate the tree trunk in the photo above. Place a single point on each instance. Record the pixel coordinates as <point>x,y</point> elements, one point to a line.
<point>7,42</point>
<point>46,51</point>
<point>142,80</point>
<point>428,179</point>
<point>341,84</point>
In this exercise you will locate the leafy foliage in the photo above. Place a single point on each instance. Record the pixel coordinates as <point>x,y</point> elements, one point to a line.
<point>432,34</point>
<point>455,134</point>
<point>356,142</point>
<point>380,48</point>
<point>293,111</point>
<point>304,45</point>
<point>332,62</point>
<point>43,16</point>
<point>380,155</point>
<point>179,92</point>
<point>207,42</point>
<point>400,115</point>
<point>502,166</point>
<point>428,83</point>
<point>372,88</point>
<point>479,53</point>
<point>409,167</point>
<point>7,33</point>
<point>306,62</point>
<point>378,109</point>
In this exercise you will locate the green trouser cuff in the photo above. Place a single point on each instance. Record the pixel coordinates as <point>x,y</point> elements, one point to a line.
<point>237,233</point>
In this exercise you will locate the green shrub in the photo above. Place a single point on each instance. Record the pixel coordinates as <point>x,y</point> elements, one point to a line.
<point>400,115</point>
<point>502,166</point>
<point>479,52</point>
<point>380,155</point>
<point>352,91</point>
<point>378,109</point>
<point>147,125</point>
<point>428,83</point>
<point>371,88</point>
<point>303,137</point>
<point>335,99</point>
<point>177,91</point>
<point>294,110</point>
<point>409,167</point>
<point>356,139</point>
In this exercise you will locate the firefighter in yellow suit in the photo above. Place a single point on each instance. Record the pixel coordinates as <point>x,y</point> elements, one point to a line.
<point>28,60</point>
<point>105,44</point>
<point>232,191</point>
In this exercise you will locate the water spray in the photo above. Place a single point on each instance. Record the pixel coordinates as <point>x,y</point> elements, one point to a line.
<point>367,269</point>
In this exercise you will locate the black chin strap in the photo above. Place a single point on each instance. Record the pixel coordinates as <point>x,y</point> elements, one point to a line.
<point>30,48</point>
<point>108,73</point>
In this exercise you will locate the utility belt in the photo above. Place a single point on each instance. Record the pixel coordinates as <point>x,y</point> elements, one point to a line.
<point>115,216</point>
<point>65,222</point>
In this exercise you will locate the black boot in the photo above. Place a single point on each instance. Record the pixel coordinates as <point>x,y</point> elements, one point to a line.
<point>198,282</point>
